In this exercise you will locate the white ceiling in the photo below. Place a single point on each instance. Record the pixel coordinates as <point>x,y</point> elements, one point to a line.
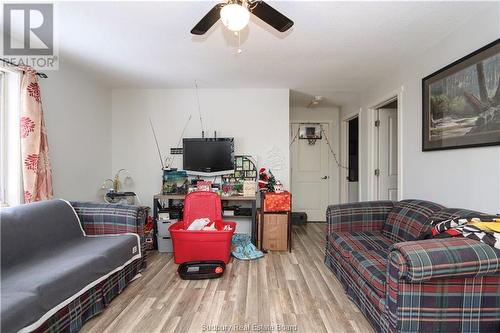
<point>340,47</point>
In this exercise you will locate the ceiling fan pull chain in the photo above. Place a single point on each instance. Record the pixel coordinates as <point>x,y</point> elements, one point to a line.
<point>239,51</point>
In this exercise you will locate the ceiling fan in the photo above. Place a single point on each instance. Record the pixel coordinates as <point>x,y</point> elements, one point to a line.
<point>235,15</point>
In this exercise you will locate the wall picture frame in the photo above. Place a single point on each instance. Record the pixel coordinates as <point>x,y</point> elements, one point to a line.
<point>239,162</point>
<point>246,165</point>
<point>461,102</point>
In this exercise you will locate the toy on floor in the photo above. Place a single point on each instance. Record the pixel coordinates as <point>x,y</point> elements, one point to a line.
<point>200,270</point>
<point>243,249</point>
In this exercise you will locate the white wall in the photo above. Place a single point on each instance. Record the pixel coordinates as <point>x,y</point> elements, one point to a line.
<point>257,119</point>
<point>468,178</point>
<point>77,113</point>
<point>327,115</point>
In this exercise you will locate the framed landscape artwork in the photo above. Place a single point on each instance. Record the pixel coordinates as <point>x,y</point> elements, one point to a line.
<point>461,102</point>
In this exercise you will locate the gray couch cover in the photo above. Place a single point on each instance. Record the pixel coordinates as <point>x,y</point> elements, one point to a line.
<point>47,260</point>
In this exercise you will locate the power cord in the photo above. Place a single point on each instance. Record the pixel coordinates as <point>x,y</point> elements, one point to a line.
<point>322,131</point>
<point>331,150</point>
<point>295,137</point>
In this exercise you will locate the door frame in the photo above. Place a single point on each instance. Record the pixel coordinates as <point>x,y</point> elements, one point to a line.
<point>330,166</point>
<point>373,149</point>
<point>344,160</point>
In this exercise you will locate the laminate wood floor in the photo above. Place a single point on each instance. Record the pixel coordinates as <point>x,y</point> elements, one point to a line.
<point>295,290</point>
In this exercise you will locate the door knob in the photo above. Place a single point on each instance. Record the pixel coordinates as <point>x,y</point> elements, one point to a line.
<point>324,177</point>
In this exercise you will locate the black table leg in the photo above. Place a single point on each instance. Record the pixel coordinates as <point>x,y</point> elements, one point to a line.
<point>254,222</point>
<point>156,204</point>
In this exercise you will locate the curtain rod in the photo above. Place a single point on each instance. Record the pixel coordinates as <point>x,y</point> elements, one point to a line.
<point>42,75</point>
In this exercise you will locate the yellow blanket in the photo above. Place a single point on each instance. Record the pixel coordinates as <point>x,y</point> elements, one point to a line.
<point>493,225</point>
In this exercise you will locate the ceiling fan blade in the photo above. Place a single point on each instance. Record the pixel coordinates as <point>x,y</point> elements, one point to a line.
<point>207,21</point>
<point>271,16</point>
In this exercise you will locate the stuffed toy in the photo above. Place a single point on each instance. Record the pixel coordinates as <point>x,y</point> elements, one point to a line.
<point>266,180</point>
<point>263,179</point>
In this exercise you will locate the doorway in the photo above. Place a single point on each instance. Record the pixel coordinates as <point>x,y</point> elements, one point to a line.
<point>353,160</point>
<point>386,154</point>
<point>310,172</point>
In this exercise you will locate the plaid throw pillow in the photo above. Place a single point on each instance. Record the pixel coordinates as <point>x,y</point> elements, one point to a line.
<point>409,220</point>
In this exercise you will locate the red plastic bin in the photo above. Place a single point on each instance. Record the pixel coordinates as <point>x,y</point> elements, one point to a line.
<point>199,245</point>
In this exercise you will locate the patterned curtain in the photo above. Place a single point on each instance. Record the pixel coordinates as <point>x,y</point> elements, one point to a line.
<point>37,174</point>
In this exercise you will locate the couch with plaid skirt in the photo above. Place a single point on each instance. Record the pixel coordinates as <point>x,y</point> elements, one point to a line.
<point>404,284</point>
<point>60,269</point>
<point>106,219</point>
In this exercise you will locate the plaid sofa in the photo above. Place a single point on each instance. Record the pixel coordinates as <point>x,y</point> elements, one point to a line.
<point>106,219</point>
<point>101,219</point>
<point>403,284</point>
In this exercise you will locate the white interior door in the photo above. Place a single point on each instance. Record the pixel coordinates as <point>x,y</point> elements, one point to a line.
<point>388,154</point>
<point>310,176</point>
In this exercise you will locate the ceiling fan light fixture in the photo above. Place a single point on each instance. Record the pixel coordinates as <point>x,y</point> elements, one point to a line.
<point>235,16</point>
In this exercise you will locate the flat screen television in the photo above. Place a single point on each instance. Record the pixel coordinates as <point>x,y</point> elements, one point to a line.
<point>208,157</point>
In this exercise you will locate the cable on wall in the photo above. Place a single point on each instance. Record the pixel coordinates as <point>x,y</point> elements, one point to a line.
<point>157,145</point>
<point>199,109</point>
<point>170,160</point>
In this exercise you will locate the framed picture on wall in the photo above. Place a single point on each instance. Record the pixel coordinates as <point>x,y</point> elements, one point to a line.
<point>461,102</point>
<point>239,162</point>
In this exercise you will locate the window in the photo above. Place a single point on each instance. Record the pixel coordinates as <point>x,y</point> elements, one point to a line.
<point>10,141</point>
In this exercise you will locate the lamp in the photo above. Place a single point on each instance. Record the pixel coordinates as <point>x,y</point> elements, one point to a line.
<point>114,192</point>
<point>235,16</point>
<point>115,184</point>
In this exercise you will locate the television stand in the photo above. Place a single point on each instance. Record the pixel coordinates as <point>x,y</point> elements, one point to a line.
<point>169,199</point>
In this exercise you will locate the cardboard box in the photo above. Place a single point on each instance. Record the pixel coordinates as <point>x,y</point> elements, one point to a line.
<point>275,233</point>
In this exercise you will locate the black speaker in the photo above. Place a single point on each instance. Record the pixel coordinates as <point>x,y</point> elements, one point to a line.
<point>299,218</point>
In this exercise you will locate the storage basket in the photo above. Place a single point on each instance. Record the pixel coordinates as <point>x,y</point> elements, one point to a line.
<point>200,245</point>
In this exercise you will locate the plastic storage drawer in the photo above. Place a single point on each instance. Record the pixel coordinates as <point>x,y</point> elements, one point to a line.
<point>164,243</point>
<point>163,226</point>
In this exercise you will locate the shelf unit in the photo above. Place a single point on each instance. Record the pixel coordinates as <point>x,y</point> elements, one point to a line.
<point>166,202</point>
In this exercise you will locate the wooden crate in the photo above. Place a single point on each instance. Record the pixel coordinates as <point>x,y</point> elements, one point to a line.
<point>275,233</point>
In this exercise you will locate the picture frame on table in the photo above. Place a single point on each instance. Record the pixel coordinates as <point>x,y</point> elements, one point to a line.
<point>461,102</point>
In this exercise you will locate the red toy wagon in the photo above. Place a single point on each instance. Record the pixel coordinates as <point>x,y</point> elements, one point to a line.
<point>200,245</point>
